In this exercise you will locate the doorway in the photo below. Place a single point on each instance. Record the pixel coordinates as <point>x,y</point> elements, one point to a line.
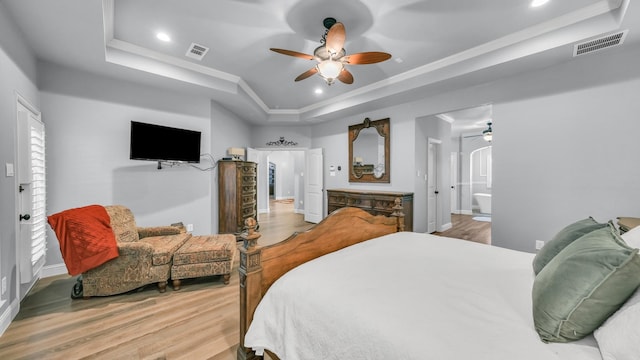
<point>272,180</point>
<point>469,174</point>
<point>281,191</point>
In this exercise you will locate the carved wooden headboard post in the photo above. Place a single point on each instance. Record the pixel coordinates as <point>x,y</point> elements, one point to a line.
<point>250,291</point>
<point>399,213</point>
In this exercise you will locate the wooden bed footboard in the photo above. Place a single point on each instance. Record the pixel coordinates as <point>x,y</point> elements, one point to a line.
<point>260,266</point>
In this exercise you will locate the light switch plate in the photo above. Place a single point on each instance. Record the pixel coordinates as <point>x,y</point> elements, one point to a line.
<point>9,169</point>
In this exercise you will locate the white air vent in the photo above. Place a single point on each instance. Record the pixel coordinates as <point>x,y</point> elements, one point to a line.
<point>197,51</point>
<point>600,43</point>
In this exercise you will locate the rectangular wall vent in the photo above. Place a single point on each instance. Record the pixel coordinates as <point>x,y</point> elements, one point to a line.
<point>600,43</point>
<point>197,51</point>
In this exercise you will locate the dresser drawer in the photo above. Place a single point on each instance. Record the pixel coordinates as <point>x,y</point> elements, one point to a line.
<point>248,211</point>
<point>248,170</point>
<point>364,202</point>
<point>248,199</point>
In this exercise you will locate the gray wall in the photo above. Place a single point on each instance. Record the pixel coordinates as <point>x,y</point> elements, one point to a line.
<point>227,130</point>
<point>17,76</point>
<point>583,165</point>
<point>88,123</point>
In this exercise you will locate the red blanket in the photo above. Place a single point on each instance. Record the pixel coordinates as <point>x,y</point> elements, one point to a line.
<point>85,237</point>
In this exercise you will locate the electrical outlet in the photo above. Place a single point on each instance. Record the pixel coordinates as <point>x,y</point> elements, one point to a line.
<point>4,285</point>
<point>189,227</point>
<point>539,244</point>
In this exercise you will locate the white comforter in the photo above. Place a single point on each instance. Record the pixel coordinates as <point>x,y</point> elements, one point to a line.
<point>407,296</point>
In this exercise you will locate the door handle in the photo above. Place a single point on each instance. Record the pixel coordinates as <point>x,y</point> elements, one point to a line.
<point>24,217</point>
<point>436,192</point>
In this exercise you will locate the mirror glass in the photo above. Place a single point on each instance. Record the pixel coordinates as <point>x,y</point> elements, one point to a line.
<point>369,151</point>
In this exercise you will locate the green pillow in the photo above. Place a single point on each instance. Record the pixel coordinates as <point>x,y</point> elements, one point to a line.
<point>583,285</point>
<point>563,238</point>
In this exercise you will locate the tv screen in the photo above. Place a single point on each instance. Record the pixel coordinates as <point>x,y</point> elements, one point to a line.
<point>163,143</point>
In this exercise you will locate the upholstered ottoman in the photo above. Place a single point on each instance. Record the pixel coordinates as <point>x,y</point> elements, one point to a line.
<point>206,255</point>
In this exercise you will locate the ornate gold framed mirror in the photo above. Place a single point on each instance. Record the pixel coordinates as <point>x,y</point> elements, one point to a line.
<point>369,151</point>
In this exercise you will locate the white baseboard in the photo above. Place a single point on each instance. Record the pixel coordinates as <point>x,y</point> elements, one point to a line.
<point>53,270</point>
<point>263,211</point>
<point>466,212</point>
<point>445,227</point>
<point>8,315</point>
<point>298,211</point>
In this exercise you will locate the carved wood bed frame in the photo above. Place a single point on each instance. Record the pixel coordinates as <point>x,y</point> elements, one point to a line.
<point>262,266</point>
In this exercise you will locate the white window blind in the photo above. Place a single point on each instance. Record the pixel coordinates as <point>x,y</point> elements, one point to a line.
<point>38,193</point>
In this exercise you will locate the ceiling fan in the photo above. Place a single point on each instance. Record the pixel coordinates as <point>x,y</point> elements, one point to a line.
<point>331,56</point>
<point>487,134</point>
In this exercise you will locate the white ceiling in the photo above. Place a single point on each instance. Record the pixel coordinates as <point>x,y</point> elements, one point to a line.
<point>433,43</point>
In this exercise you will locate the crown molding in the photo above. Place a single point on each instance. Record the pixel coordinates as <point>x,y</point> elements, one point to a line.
<point>575,26</point>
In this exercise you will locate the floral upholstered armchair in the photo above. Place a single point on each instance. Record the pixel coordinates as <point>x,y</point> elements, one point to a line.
<point>144,254</point>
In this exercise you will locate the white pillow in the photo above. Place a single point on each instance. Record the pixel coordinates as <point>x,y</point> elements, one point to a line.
<point>619,336</point>
<point>632,237</point>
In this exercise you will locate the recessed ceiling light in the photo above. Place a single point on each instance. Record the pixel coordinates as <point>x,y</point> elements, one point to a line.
<point>318,91</point>
<point>536,3</point>
<point>163,37</point>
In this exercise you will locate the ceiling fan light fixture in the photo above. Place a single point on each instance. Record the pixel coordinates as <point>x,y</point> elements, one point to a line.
<point>487,134</point>
<point>330,69</point>
<point>331,56</point>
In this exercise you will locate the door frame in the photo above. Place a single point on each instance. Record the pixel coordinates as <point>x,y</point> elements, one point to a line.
<point>21,102</point>
<point>259,152</point>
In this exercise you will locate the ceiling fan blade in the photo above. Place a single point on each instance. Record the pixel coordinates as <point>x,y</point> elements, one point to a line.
<point>293,53</point>
<point>370,57</point>
<point>307,73</point>
<point>345,76</point>
<point>335,38</point>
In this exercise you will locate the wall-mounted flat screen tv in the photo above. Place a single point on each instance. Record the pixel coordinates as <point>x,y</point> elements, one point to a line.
<point>163,143</point>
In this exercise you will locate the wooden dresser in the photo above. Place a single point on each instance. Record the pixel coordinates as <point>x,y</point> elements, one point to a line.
<point>373,202</point>
<point>237,195</point>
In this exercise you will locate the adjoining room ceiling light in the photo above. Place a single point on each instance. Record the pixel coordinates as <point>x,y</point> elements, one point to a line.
<point>163,37</point>
<point>536,3</point>
<point>487,134</point>
<point>318,91</point>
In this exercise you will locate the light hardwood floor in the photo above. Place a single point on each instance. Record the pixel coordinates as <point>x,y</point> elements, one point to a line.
<point>464,227</point>
<point>200,321</point>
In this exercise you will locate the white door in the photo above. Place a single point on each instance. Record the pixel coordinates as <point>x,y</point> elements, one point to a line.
<point>31,236</point>
<point>432,185</point>
<point>454,183</point>
<point>313,183</point>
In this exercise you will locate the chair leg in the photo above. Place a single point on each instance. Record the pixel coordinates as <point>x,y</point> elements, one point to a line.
<point>226,278</point>
<point>162,286</point>
<point>176,284</point>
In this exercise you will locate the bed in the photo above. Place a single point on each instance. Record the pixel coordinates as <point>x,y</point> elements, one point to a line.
<point>353,287</point>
